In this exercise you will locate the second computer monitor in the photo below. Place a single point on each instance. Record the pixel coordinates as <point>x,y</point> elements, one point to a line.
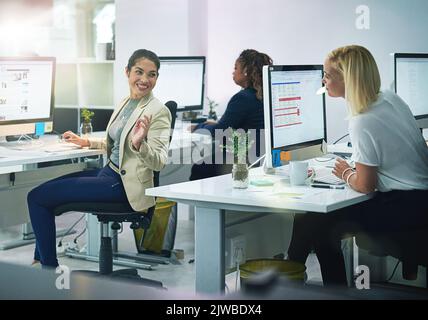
<point>295,118</point>
<point>26,89</point>
<point>411,83</point>
<point>181,79</point>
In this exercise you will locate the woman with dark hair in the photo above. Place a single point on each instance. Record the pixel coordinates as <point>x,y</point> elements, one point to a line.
<point>244,110</point>
<point>137,144</point>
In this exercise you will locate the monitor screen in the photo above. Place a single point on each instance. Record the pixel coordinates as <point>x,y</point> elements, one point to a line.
<point>181,79</point>
<point>100,119</point>
<point>294,113</point>
<point>65,119</point>
<point>411,82</point>
<point>26,89</point>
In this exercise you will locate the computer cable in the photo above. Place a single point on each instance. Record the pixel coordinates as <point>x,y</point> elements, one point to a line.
<point>79,235</point>
<point>68,231</point>
<point>341,138</point>
<point>393,272</point>
<point>258,160</point>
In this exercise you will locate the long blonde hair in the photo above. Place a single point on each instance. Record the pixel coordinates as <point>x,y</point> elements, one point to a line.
<point>360,75</point>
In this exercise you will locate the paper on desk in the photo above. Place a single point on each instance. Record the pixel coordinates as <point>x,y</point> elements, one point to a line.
<point>294,193</point>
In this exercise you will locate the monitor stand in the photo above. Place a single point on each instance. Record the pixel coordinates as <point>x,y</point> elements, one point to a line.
<point>22,142</point>
<point>272,166</point>
<point>19,138</point>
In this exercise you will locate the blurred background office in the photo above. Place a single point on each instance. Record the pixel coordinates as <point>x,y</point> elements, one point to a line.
<point>92,40</point>
<point>293,32</point>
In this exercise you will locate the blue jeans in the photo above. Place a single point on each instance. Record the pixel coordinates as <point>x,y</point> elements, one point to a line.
<point>101,185</point>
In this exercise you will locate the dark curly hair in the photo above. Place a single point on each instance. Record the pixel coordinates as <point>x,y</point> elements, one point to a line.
<point>252,62</point>
<point>146,54</point>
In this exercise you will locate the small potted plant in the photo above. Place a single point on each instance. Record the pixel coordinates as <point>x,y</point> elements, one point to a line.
<point>238,145</point>
<point>86,125</point>
<point>212,105</point>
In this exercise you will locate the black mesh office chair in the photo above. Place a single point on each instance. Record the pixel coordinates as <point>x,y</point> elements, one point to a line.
<point>117,213</point>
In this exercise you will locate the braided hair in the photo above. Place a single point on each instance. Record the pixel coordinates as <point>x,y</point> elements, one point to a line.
<point>252,62</point>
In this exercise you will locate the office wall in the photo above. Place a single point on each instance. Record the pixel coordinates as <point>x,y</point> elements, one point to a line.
<point>163,26</point>
<point>158,25</point>
<point>290,31</point>
<point>294,32</point>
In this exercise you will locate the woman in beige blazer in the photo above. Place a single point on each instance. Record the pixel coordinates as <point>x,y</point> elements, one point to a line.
<point>137,144</point>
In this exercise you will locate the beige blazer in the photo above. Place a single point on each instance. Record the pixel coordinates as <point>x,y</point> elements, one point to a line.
<point>136,166</point>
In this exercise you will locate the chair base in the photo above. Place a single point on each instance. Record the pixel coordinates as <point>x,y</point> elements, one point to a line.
<point>118,262</point>
<point>149,258</point>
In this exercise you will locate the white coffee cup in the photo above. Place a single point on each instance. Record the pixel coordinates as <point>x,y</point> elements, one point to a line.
<point>298,171</point>
<point>101,51</point>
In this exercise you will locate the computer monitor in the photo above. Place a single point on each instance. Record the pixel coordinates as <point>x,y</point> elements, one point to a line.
<point>295,120</point>
<point>411,83</point>
<point>181,79</point>
<point>26,90</point>
<point>65,119</point>
<point>100,119</point>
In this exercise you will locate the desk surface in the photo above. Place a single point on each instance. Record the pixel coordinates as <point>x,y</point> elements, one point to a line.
<point>218,192</point>
<point>182,141</point>
<point>12,157</point>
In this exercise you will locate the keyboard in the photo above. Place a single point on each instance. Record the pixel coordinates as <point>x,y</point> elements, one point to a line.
<point>324,175</point>
<point>59,147</point>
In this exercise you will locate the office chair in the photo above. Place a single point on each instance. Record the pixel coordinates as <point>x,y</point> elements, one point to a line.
<point>117,213</point>
<point>408,247</point>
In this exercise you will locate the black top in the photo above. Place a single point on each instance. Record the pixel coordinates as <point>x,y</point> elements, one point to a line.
<point>244,111</point>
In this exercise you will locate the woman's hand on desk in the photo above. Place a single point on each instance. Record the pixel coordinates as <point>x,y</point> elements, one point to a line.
<point>363,179</point>
<point>341,167</point>
<point>70,136</point>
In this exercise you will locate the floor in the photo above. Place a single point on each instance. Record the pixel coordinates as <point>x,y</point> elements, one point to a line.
<point>178,275</point>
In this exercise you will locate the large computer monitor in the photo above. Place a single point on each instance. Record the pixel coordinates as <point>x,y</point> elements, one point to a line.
<point>181,79</point>
<point>26,90</point>
<point>411,83</point>
<point>295,120</point>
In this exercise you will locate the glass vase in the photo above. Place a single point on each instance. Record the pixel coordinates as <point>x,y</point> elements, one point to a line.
<point>85,129</point>
<point>240,176</point>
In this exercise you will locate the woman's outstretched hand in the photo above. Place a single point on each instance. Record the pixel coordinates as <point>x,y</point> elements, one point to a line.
<point>71,137</point>
<point>139,133</point>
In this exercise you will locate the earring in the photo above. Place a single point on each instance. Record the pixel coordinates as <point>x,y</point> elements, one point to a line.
<point>245,74</point>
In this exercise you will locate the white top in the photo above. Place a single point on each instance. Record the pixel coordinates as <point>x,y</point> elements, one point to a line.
<point>388,137</point>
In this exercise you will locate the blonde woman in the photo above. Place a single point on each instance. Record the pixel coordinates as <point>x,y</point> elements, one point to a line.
<point>390,156</point>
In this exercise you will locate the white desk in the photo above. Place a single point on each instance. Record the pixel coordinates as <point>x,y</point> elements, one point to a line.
<point>213,196</point>
<point>24,167</point>
<point>21,157</point>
